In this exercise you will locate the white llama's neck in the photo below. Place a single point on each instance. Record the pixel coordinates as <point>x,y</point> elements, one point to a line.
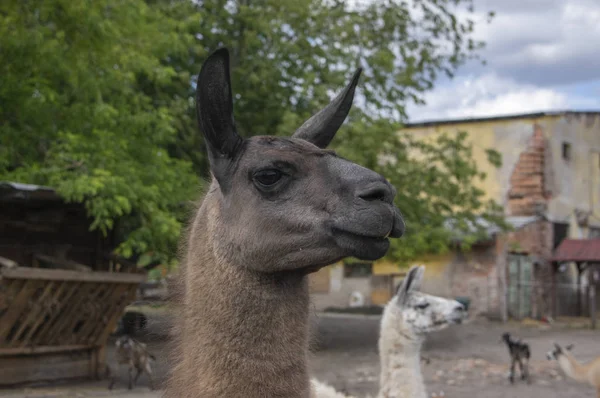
<point>571,367</point>
<point>400,356</point>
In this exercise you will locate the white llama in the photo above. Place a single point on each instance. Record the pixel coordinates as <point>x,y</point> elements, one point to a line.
<point>588,373</point>
<point>408,317</point>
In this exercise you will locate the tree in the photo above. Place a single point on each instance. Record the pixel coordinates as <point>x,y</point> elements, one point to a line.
<point>89,106</point>
<point>290,57</point>
<point>436,184</point>
<point>96,99</point>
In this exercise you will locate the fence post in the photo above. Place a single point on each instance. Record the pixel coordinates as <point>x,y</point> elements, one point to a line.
<point>593,304</point>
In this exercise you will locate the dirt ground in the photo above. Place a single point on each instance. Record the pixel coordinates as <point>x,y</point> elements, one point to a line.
<point>465,360</point>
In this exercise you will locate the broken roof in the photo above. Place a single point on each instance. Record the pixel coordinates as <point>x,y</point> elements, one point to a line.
<point>516,222</point>
<point>578,250</point>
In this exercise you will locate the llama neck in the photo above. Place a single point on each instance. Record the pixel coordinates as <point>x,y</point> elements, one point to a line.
<point>400,356</point>
<point>243,334</point>
<point>571,367</point>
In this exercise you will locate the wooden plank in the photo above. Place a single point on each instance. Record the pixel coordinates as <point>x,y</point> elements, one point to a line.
<point>65,275</point>
<point>47,367</point>
<point>66,264</point>
<point>593,313</point>
<point>112,314</point>
<point>34,312</point>
<point>95,300</point>
<point>16,307</point>
<point>46,309</point>
<point>69,317</point>
<point>63,302</point>
<point>118,308</point>
<point>96,324</point>
<point>11,351</point>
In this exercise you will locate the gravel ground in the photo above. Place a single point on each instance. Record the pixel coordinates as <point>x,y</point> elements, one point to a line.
<point>465,360</point>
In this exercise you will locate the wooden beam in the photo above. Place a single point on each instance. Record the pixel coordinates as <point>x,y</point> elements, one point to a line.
<point>553,298</point>
<point>43,349</point>
<point>62,264</point>
<point>8,263</point>
<point>65,275</point>
<point>579,300</point>
<point>16,307</point>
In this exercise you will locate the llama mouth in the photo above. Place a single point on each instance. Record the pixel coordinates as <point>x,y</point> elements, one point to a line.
<point>364,237</point>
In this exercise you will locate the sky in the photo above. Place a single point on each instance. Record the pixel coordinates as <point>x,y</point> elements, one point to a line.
<point>542,55</point>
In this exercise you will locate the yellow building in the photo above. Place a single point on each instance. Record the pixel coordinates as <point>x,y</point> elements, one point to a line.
<point>549,186</point>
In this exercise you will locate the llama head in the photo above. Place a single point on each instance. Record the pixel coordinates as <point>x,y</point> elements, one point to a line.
<point>557,351</point>
<point>420,313</point>
<point>286,204</point>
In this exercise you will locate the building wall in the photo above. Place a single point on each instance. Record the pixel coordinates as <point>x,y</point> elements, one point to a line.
<point>569,184</point>
<point>339,289</point>
<point>534,179</point>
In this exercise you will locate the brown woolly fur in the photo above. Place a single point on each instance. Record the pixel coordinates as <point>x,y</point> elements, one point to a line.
<point>276,210</point>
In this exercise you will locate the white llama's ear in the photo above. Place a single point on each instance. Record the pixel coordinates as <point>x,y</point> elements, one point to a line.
<point>410,283</point>
<point>558,348</point>
<point>418,279</point>
<point>322,126</point>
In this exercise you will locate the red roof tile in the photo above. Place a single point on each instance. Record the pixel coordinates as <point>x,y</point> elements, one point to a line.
<point>578,250</point>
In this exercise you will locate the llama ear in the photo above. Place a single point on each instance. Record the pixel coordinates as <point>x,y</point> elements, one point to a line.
<point>558,349</point>
<point>418,278</point>
<point>407,285</point>
<point>322,126</point>
<point>214,108</point>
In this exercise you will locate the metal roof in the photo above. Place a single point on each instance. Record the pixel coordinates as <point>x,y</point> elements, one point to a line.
<point>579,250</point>
<point>426,123</point>
<point>516,222</point>
<point>16,191</point>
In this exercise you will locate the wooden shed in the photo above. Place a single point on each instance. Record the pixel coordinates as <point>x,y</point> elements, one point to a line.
<point>60,293</point>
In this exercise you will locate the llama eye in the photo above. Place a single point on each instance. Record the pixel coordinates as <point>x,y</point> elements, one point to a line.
<point>422,306</point>
<point>268,177</point>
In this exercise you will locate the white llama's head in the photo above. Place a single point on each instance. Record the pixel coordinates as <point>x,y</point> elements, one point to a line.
<point>421,313</point>
<point>557,352</point>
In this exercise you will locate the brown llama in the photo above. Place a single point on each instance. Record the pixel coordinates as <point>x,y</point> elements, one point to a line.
<point>277,209</point>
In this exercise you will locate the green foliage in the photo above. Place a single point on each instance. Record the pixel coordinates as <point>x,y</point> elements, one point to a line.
<point>96,99</point>
<point>84,90</point>
<point>436,182</point>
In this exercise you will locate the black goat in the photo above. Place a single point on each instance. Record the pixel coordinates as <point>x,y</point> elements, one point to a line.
<point>519,353</point>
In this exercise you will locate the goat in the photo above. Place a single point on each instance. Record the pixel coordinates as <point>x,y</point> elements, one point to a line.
<point>519,354</point>
<point>136,356</point>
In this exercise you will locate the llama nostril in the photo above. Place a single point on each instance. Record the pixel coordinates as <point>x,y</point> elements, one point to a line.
<point>379,192</point>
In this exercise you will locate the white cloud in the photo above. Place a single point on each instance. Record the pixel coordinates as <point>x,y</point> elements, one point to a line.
<point>492,95</point>
<point>538,52</point>
<point>542,42</point>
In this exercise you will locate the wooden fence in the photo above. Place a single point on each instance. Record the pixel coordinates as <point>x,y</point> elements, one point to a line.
<point>54,324</point>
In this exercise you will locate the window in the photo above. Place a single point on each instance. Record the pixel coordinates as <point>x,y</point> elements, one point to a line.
<point>560,232</point>
<point>594,233</point>
<point>357,269</point>
<point>566,151</point>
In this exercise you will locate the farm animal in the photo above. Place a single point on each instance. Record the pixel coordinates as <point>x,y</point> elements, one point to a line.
<point>407,319</point>
<point>519,354</point>
<point>135,355</point>
<point>588,373</point>
<point>276,210</point>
